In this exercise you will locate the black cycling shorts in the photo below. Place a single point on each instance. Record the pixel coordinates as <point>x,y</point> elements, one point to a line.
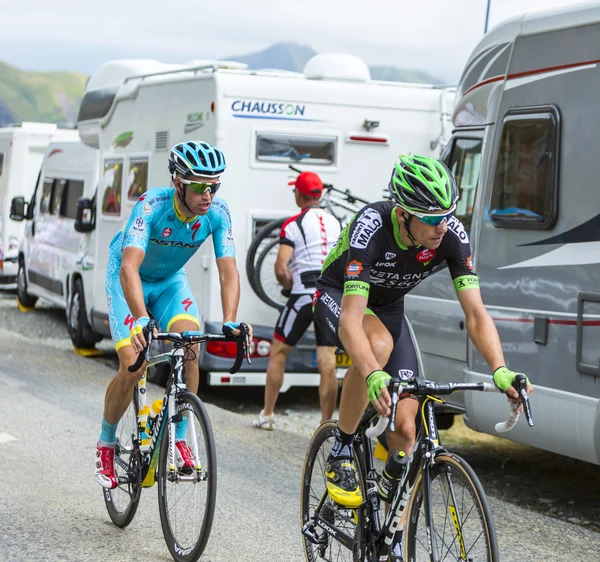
<point>295,319</point>
<point>403,360</point>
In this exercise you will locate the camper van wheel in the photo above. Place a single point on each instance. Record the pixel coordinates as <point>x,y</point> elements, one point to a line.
<point>80,330</point>
<point>24,297</point>
<point>266,234</point>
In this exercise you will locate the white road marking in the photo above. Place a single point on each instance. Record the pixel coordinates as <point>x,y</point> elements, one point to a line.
<point>6,438</point>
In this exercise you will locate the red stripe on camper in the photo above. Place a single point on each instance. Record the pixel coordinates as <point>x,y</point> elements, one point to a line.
<point>530,73</point>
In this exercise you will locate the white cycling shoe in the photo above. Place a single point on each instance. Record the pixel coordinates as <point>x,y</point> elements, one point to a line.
<point>265,422</point>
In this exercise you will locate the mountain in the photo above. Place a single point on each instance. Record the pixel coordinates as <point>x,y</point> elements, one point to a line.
<point>291,56</point>
<point>55,96</point>
<point>39,96</point>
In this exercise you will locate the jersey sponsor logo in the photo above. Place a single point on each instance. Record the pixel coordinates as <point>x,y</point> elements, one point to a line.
<point>176,243</point>
<point>330,303</point>
<point>139,224</point>
<point>389,256</point>
<point>316,297</point>
<point>158,199</point>
<point>353,269</point>
<point>466,282</point>
<point>385,264</point>
<point>147,209</point>
<point>459,230</point>
<point>129,322</point>
<point>391,280</point>
<point>367,225</point>
<point>330,324</point>
<point>469,263</point>
<point>426,256</point>
<point>356,288</point>
<point>405,374</point>
<point>167,232</point>
<point>187,303</point>
<point>195,228</point>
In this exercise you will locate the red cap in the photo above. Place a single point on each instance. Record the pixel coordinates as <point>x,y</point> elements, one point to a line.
<point>309,184</point>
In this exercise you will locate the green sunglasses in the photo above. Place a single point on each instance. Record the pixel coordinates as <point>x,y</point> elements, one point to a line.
<point>201,187</point>
<point>434,220</point>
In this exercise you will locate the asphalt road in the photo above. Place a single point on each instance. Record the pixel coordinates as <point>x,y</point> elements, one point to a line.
<point>52,509</point>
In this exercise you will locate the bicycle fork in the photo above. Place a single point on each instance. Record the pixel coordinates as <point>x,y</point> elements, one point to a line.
<point>176,415</point>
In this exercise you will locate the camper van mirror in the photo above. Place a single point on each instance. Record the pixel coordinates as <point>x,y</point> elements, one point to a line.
<point>84,218</point>
<point>17,209</point>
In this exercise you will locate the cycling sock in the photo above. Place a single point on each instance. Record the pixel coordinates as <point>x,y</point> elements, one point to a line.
<point>108,435</point>
<point>181,428</point>
<point>343,445</point>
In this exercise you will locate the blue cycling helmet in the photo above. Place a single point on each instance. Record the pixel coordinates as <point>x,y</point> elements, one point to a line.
<point>196,158</point>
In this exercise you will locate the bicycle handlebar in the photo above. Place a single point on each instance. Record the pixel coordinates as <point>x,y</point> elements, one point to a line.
<point>421,387</point>
<point>243,350</point>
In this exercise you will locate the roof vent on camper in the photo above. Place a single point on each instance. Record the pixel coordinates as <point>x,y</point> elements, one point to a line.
<point>337,66</point>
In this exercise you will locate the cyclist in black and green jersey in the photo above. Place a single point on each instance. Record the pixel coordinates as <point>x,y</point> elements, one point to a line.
<point>386,250</point>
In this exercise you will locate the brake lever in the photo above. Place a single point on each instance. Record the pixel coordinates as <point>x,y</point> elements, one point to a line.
<point>247,344</point>
<point>394,386</point>
<point>520,385</point>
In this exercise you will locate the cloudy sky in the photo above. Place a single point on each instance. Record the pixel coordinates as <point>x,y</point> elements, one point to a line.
<point>432,35</point>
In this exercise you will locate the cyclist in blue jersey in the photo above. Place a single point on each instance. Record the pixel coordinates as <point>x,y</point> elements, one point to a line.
<point>145,274</point>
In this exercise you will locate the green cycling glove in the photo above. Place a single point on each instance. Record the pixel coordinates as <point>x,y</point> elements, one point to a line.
<point>375,382</point>
<point>503,378</point>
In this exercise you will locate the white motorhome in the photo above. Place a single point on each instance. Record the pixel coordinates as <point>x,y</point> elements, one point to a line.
<point>21,151</point>
<point>331,119</point>
<point>55,260</point>
<point>523,150</point>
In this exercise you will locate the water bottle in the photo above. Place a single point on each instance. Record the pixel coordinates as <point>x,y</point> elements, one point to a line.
<point>154,411</point>
<point>142,421</point>
<point>392,474</point>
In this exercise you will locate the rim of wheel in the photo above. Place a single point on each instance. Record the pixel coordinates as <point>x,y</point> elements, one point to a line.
<point>74,312</point>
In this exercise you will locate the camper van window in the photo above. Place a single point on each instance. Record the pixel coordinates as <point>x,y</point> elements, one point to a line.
<point>46,194</point>
<point>1,162</point>
<point>74,190</point>
<point>56,197</point>
<point>295,148</point>
<point>465,163</point>
<point>524,193</point>
<point>137,178</point>
<point>97,103</point>
<point>113,177</point>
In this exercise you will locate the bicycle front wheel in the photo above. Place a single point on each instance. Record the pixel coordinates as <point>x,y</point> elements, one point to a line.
<point>461,520</point>
<point>314,502</point>
<point>122,502</point>
<point>187,495</point>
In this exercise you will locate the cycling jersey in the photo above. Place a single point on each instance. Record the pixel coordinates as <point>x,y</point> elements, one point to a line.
<point>312,233</point>
<point>370,258</point>
<point>168,237</point>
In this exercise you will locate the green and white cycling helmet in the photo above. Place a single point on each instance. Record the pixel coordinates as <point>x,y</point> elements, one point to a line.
<point>423,185</point>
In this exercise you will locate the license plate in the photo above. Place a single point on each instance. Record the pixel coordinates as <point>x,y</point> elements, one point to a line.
<point>342,361</point>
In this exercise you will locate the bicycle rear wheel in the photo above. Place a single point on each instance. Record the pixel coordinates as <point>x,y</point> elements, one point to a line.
<point>186,499</point>
<point>266,234</point>
<point>313,491</point>
<point>266,286</point>
<point>463,528</point>
<point>122,502</point>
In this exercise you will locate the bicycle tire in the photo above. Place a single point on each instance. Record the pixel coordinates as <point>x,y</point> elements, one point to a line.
<point>122,516</point>
<point>450,469</point>
<point>269,230</point>
<point>184,552</point>
<point>270,295</point>
<point>315,455</point>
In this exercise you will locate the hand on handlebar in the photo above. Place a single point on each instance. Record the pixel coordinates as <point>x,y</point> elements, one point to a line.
<point>510,383</point>
<point>233,329</point>
<point>377,389</point>
<point>136,335</point>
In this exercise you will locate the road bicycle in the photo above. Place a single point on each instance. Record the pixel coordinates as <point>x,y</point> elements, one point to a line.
<point>439,502</point>
<point>145,453</point>
<point>262,253</point>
